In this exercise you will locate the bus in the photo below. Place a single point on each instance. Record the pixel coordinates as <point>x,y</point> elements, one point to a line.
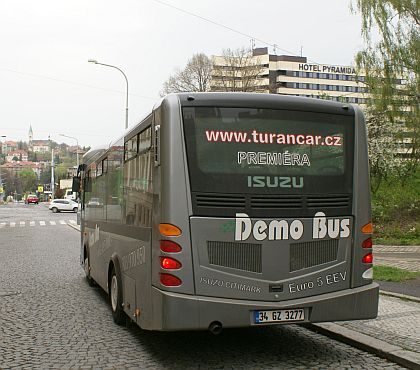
<point>222,210</point>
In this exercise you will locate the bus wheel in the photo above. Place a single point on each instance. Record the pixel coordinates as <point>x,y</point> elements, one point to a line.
<point>86,267</point>
<point>115,294</point>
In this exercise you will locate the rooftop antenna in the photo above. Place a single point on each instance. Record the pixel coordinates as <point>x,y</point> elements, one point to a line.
<point>275,49</point>
<point>301,50</point>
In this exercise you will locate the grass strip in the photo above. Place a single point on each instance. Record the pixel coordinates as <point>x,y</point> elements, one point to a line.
<point>394,274</point>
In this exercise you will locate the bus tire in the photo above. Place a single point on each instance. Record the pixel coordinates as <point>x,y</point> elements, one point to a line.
<point>86,267</point>
<point>115,295</point>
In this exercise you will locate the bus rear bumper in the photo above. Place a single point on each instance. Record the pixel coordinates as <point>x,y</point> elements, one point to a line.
<point>185,312</point>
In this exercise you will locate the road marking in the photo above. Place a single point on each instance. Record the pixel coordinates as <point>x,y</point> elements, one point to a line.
<point>34,223</point>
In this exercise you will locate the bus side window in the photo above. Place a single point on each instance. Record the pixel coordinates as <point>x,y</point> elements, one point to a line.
<point>137,183</point>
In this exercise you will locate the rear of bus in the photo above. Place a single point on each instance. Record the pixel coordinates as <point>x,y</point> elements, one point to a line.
<point>264,212</point>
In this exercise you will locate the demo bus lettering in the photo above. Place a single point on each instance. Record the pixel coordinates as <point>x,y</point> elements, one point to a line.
<point>285,229</point>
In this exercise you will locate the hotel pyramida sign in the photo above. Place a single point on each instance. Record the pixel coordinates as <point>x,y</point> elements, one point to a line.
<point>326,68</point>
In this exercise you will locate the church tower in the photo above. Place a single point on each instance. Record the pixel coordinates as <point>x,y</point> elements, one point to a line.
<point>31,135</point>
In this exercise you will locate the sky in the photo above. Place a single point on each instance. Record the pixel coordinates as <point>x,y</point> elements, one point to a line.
<point>47,82</point>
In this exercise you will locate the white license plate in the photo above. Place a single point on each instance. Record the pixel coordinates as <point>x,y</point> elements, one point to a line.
<point>261,317</point>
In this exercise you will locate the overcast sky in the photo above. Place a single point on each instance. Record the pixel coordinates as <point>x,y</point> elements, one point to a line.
<point>46,81</point>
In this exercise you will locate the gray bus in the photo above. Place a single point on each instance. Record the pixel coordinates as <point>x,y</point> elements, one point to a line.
<point>232,210</point>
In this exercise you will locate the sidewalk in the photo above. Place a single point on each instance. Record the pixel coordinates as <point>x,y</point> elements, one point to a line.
<point>395,333</point>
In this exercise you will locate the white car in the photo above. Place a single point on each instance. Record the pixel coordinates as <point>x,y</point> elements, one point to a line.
<point>59,205</point>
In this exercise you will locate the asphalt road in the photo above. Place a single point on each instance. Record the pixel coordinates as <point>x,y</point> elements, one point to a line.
<point>51,318</point>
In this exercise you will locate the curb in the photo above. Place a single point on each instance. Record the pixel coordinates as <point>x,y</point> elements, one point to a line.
<point>396,354</point>
<point>400,296</point>
<point>75,227</point>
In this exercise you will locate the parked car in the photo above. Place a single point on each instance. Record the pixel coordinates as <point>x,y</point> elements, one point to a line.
<point>32,198</point>
<point>95,203</point>
<point>60,205</point>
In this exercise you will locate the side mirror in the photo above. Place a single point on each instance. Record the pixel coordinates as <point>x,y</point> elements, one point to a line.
<point>82,168</point>
<point>75,188</point>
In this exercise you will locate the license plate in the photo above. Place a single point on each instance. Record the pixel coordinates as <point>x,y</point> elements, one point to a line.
<point>261,317</point>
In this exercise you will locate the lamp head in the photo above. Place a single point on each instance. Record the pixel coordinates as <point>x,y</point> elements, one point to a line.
<point>92,61</point>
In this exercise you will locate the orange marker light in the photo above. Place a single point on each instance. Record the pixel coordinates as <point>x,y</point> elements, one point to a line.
<point>169,230</point>
<point>368,228</point>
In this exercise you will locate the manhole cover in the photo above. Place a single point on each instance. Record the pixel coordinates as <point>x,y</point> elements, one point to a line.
<point>9,293</point>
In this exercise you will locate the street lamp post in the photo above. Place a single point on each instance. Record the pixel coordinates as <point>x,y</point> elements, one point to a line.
<point>126,80</point>
<point>1,181</point>
<point>77,150</point>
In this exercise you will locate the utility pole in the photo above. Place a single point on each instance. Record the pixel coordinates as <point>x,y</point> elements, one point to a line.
<point>52,173</point>
<point>1,181</point>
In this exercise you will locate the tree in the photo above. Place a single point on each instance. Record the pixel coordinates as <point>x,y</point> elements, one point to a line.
<point>383,148</point>
<point>28,180</point>
<point>394,58</point>
<point>194,77</point>
<point>237,70</point>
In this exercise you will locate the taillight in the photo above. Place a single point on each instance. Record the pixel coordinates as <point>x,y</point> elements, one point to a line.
<point>169,263</point>
<point>368,258</point>
<point>170,280</point>
<point>169,246</point>
<point>367,243</point>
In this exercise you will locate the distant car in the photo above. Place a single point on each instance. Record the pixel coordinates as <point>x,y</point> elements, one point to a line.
<point>60,205</point>
<point>69,195</point>
<point>32,199</point>
<point>94,202</point>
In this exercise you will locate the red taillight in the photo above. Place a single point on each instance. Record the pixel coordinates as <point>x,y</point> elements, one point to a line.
<point>170,280</point>
<point>367,243</point>
<point>368,258</point>
<point>169,263</point>
<point>169,246</point>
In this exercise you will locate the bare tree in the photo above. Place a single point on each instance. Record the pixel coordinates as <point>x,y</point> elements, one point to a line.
<point>194,77</point>
<point>238,70</point>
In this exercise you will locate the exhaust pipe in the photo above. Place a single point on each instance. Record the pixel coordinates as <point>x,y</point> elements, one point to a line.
<point>215,327</point>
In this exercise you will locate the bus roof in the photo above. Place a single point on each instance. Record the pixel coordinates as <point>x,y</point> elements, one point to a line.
<point>273,101</point>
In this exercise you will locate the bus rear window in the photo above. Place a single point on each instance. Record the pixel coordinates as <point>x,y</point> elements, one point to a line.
<point>264,150</point>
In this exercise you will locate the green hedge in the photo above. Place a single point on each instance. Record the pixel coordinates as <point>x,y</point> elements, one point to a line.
<point>396,211</point>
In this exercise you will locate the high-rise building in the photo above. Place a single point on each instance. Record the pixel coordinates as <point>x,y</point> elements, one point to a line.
<point>290,75</point>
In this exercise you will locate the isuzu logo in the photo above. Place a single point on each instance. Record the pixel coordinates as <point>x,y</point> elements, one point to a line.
<point>274,182</point>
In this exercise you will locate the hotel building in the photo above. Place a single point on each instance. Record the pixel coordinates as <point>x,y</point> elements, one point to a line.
<point>293,75</point>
